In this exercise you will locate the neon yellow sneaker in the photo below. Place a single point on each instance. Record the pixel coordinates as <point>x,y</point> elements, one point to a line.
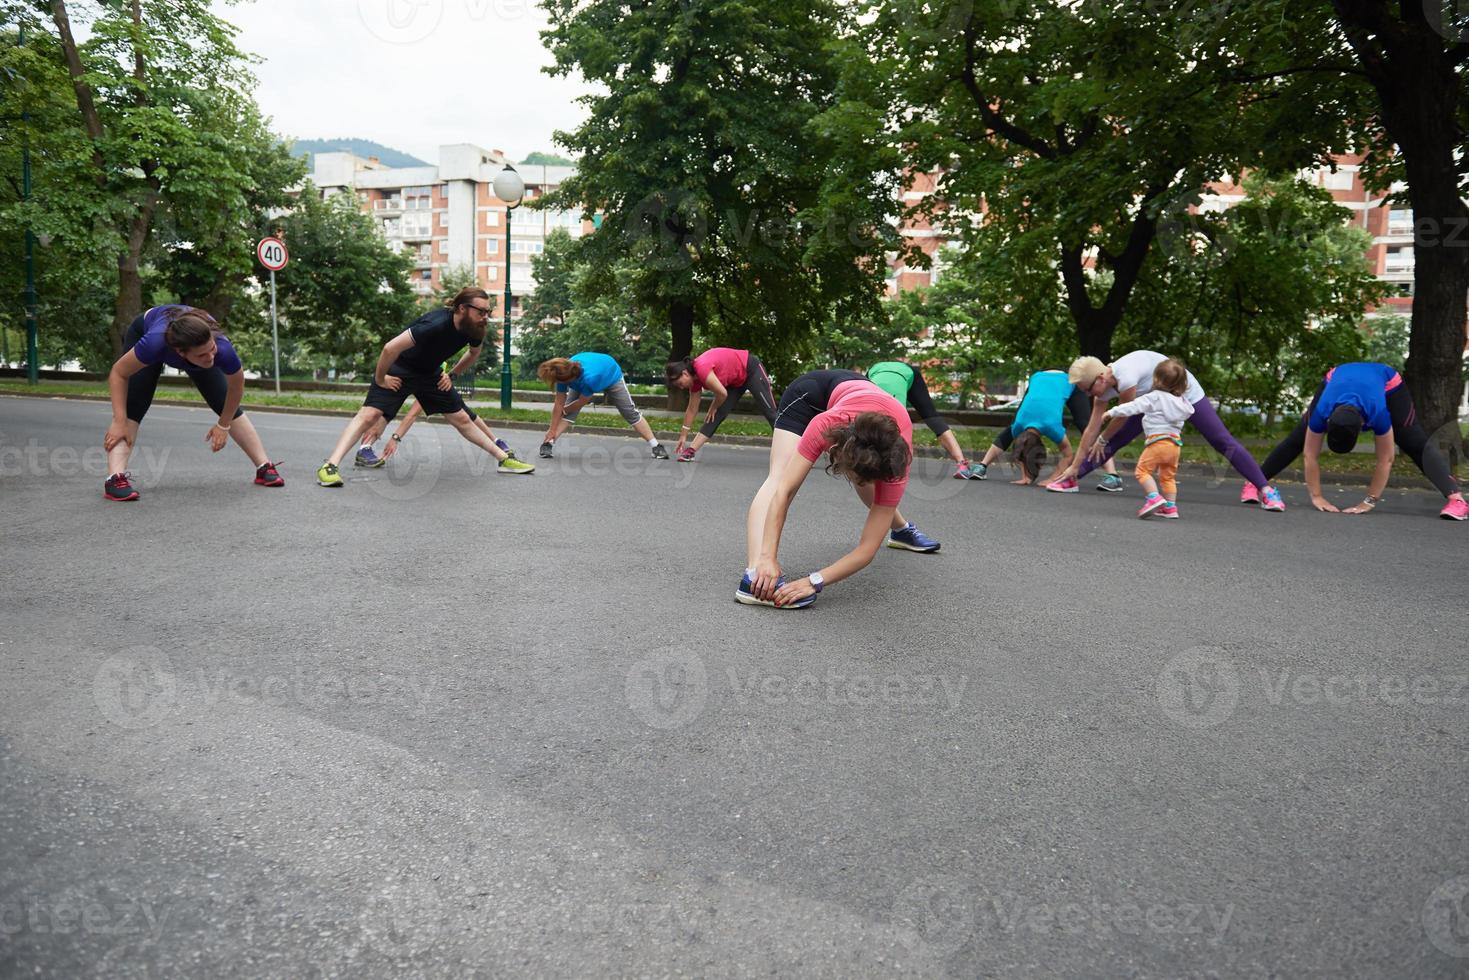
<point>514,467</point>
<point>327,475</point>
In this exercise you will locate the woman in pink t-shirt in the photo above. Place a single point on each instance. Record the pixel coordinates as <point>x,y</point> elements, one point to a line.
<point>869,440</point>
<point>728,373</point>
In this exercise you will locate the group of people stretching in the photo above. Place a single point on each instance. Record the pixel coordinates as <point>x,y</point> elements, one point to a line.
<point>859,423</point>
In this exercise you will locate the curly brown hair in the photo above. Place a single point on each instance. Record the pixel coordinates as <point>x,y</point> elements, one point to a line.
<point>1029,453</point>
<point>868,449</point>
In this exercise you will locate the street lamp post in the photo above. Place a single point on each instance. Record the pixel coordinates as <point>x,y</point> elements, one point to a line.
<point>33,354</point>
<point>510,188</point>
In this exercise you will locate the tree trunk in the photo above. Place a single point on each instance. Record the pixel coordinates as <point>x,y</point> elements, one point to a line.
<point>1418,87</point>
<point>129,302</point>
<point>681,320</point>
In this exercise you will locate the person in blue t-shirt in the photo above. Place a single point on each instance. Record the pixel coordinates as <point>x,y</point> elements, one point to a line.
<point>1354,397</point>
<point>190,340</point>
<point>583,376</point>
<point>1049,395</point>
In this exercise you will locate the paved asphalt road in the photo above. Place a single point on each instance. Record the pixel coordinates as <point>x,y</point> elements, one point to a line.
<point>447,723</point>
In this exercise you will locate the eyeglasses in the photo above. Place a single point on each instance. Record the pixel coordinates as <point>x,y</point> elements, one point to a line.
<point>481,310</point>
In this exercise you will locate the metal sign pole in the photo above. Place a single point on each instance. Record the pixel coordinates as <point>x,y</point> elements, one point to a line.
<point>275,336</point>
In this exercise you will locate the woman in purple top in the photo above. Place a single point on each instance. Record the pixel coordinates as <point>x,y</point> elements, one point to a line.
<point>188,339</point>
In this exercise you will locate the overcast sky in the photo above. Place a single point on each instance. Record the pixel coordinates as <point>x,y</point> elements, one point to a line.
<point>410,74</point>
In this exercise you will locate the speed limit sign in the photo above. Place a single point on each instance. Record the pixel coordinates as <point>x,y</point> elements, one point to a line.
<point>272,253</point>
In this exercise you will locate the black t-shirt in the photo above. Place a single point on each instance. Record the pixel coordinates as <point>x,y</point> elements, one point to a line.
<point>435,340</point>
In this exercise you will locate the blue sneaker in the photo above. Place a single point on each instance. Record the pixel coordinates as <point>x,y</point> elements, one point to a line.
<point>366,457</point>
<point>746,594</point>
<point>1111,483</point>
<point>912,539</point>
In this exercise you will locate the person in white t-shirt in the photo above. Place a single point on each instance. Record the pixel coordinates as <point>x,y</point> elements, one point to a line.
<point>1125,379</point>
<point>1164,411</point>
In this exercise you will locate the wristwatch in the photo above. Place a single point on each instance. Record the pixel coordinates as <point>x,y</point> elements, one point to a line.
<point>397,437</point>
<point>817,581</point>
<point>1371,500</point>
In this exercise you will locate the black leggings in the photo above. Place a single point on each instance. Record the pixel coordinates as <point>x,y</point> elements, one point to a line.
<point>1077,403</point>
<point>141,387</point>
<point>919,398</point>
<point>1406,432</point>
<point>757,383</point>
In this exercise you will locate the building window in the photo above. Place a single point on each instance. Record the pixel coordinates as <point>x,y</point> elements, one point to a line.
<point>1400,221</point>
<point>492,246</point>
<point>417,224</point>
<point>492,219</point>
<point>426,274</point>
<point>1340,180</point>
<point>1399,260</point>
<point>527,248</point>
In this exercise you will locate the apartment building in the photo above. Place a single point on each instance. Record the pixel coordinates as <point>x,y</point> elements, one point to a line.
<point>446,216</point>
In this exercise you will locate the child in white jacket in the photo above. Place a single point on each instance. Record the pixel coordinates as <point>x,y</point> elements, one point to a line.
<point>1164,411</point>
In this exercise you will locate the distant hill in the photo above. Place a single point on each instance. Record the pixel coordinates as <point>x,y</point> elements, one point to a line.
<point>388,156</point>
<point>549,159</point>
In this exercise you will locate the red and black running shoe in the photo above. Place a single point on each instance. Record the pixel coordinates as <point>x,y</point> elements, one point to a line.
<point>267,476</point>
<point>118,487</point>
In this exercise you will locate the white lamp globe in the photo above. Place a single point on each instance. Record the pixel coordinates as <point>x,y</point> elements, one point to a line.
<point>508,186</point>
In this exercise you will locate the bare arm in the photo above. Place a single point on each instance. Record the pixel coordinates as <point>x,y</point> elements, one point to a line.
<point>1385,448</point>
<point>470,355</point>
<point>720,393</point>
<point>117,386</point>
<point>558,408</point>
<point>392,350</point>
<point>1312,458</point>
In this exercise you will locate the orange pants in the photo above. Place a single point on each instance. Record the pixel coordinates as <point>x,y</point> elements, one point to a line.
<point>1160,456</point>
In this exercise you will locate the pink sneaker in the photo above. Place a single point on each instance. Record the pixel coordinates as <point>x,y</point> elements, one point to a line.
<point>1270,500</point>
<point>1250,494</point>
<point>1154,502</point>
<point>1067,485</point>
<point>1169,510</point>
<point>686,455</point>
<point>1455,510</point>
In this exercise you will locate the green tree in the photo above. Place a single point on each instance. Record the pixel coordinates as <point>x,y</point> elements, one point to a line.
<point>1261,299</point>
<point>736,174</point>
<point>1386,339</point>
<point>1075,128</point>
<point>169,137</point>
<point>554,270</point>
<point>344,293</point>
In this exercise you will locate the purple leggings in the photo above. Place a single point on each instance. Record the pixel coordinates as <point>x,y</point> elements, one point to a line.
<point>1207,421</point>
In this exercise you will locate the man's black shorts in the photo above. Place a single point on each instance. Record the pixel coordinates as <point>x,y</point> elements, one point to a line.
<point>422,387</point>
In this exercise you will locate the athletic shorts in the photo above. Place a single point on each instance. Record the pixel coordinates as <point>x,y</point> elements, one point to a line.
<point>424,388</point>
<point>617,395</point>
<point>807,397</point>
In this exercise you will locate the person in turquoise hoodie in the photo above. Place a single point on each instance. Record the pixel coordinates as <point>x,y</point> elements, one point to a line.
<point>905,383</point>
<point>1048,396</point>
<point>584,375</point>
